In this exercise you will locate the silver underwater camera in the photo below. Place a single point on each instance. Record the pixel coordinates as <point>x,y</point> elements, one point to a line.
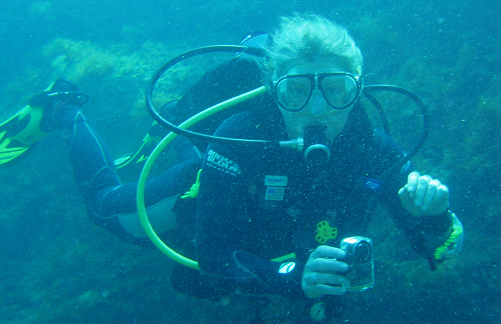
<point>359,257</point>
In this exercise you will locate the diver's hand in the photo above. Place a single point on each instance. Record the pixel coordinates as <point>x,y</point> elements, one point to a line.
<point>424,196</point>
<point>320,272</point>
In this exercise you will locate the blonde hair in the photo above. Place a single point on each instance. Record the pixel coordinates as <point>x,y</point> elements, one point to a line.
<point>312,38</point>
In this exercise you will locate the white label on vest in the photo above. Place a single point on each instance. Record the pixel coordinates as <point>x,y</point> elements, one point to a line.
<point>275,181</point>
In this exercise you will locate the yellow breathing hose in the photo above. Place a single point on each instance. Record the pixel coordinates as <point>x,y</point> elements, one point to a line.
<point>141,207</point>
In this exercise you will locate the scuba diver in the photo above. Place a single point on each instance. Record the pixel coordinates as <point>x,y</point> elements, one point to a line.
<point>269,219</point>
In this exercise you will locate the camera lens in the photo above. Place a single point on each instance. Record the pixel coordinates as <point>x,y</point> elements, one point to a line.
<point>363,251</point>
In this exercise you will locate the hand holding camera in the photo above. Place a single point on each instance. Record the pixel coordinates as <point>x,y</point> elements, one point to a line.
<point>320,275</point>
<point>324,274</point>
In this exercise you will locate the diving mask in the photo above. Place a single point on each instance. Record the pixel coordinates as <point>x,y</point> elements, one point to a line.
<point>340,90</point>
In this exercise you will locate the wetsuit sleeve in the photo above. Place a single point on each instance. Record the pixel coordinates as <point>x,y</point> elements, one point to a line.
<point>424,233</point>
<point>222,250</point>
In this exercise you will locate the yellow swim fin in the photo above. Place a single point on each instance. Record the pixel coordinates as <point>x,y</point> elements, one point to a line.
<point>150,141</point>
<point>140,155</point>
<point>20,133</point>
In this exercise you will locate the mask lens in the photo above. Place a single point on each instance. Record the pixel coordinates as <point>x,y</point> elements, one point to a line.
<point>339,90</point>
<point>294,92</point>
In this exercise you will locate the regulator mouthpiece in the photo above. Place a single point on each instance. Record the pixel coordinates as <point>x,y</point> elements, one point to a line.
<point>317,145</point>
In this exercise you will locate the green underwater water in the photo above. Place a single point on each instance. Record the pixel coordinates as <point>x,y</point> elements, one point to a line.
<point>56,267</point>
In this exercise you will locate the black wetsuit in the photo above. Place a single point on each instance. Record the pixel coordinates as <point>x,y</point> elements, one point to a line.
<point>257,203</point>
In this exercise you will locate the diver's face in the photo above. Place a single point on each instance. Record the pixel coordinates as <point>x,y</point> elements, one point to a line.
<point>317,111</point>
